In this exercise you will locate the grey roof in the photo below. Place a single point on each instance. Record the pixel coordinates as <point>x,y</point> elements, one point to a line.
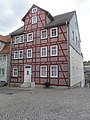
<point>58,20</point>
<point>18,31</point>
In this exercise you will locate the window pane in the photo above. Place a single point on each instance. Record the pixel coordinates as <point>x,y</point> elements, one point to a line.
<point>34,10</point>
<point>16,39</point>
<point>53,32</point>
<point>4,57</point>
<point>20,54</point>
<point>54,71</point>
<point>43,71</point>
<point>21,38</point>
<point>43,51</point>
<point>34,19</point>
<point>3,72</point>
<point>53,50</point>
<point>30,37</point>
<point>29,53</point>
<point>43,34</point>
<point>16,54</point>
<point>15,72</point>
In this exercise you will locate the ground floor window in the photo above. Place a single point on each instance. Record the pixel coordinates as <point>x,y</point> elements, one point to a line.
<point>53,71</point>
<point>2,71</point>
<point>15,72</point>
<point>43,71</point>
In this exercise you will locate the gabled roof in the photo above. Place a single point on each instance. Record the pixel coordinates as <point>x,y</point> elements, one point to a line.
<point>60,19</point>
<point>39,8</point>
<point>6,49</point>
<point>18,31</point>
<point>5,39</point>
<point>57,20</point>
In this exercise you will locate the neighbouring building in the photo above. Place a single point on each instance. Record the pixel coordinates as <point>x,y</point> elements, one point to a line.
<point>47,48</point>
<point>4,58</point>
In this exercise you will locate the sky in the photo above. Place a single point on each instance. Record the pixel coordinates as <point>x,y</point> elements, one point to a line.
<point>12,12</point>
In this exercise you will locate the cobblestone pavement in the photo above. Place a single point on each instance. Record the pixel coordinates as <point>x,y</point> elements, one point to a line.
<point>45,104</point>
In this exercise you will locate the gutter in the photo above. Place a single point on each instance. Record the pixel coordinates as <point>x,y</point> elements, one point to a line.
<point>68,47</point>
<point>10,63</point>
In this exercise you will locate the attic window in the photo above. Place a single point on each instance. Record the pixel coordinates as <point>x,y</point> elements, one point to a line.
<point>34,10</point>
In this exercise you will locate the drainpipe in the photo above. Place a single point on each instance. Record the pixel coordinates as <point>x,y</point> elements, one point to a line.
<point>68,47</point>
<point>10,62</point>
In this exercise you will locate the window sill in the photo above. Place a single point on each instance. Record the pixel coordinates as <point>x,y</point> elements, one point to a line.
<point>29,40</point>
<point>43,38</point>
<point>53,36</point>
<point>54,76</point>
<point>43,76</point>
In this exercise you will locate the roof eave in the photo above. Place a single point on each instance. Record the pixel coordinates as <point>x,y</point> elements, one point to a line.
<point>55,25</point>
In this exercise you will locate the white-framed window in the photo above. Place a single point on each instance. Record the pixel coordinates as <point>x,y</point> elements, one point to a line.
<point>21,38</point>
<point>43,51</point>
<point>2,72</point>
<point>3,57</point>
<point>54,50</point>
<point>29,53</point>
<point>16,54</point>
<point>53,71</point>
<point>34,9</point>
<point>15,72</point>
<point>53,32</point>
<point>34,19</point>
<point>17,38</point>
<point>43,71</point>
<point>29,37</point>
<point>43,34</point>
<point>20,54</point>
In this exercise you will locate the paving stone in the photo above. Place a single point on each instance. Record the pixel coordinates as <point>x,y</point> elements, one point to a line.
<point>45,104</point>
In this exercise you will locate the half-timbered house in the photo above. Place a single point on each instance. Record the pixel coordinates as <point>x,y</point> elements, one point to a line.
<point>47,49</point>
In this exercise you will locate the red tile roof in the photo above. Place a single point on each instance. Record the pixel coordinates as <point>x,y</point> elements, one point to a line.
<point>5,38</point>
<point>6,49</point>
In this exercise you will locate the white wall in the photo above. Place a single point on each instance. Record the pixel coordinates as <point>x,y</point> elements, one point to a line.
<point>76,68</point>
<point>3,64</point>
<point>76,60</point>
<point>73,26</point>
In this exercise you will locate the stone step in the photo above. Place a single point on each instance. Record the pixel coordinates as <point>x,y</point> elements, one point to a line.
<point>26,84</point>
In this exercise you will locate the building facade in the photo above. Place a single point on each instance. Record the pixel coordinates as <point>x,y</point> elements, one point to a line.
<point>4,58</point>
<point>47,49</point>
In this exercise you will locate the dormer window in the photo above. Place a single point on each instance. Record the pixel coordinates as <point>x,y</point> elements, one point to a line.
<point>34,19</point>
<point>34,10</point>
